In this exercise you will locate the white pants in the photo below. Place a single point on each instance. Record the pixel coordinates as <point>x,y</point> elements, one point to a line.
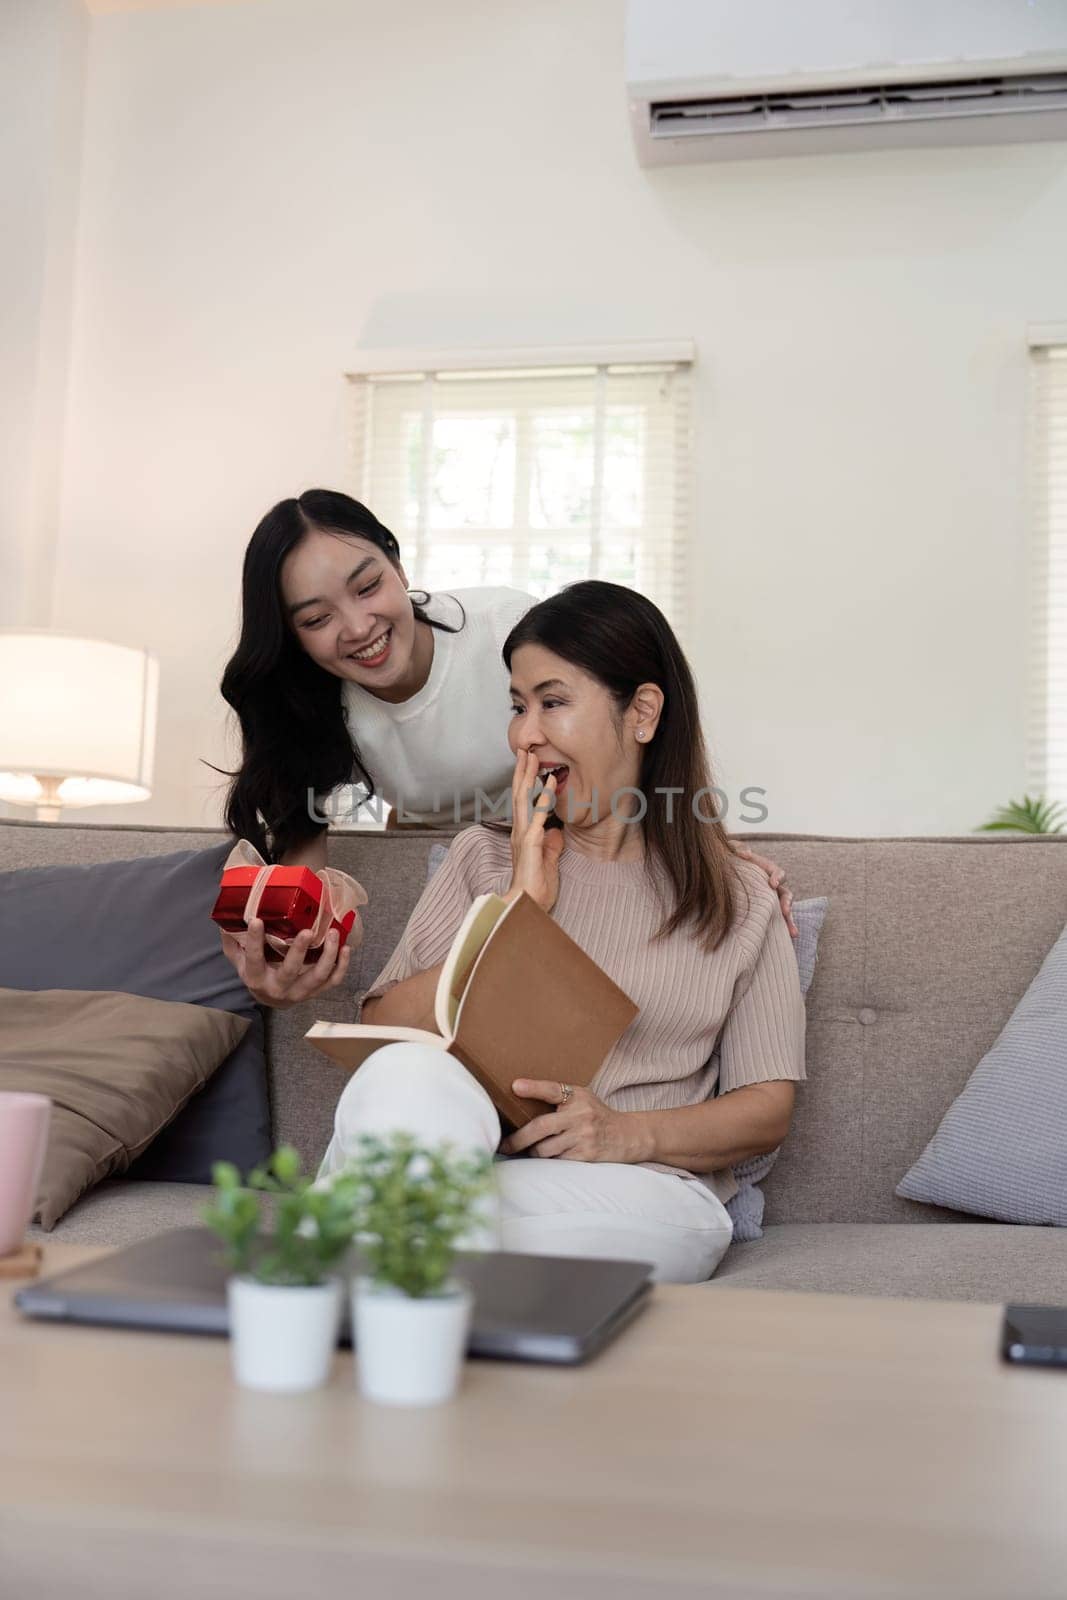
<point>546,1207</point>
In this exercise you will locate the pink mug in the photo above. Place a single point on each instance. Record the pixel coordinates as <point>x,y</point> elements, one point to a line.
<point>23,1138</point>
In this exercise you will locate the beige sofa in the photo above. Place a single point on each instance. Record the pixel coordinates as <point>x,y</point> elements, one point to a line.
<point>927,947</point>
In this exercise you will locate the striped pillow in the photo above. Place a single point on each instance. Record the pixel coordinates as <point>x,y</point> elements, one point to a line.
<point>1001,1148</point>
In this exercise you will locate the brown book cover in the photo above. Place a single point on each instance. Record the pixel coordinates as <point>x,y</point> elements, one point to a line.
<point>534,1005</point>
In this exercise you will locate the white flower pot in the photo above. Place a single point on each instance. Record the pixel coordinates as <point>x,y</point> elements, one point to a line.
<point>283,1338</point>
<point>409,1352</point>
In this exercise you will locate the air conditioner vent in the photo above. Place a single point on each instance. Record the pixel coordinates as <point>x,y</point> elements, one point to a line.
<point>857,106</point>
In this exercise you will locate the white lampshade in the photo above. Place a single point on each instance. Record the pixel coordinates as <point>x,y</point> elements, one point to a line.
<point>77,720</point>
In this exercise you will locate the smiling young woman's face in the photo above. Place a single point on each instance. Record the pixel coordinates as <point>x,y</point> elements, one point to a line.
<point>571,723</point>
<point>350,610</point>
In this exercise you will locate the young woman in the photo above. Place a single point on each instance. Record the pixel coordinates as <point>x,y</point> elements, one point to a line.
<point>341,675</point>
<point>641,875</point>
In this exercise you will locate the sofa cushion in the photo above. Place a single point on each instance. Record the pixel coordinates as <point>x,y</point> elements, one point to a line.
<point>143,926</point>
<point>928,948</point>
<point>116,1067</point>
<point>1001,1148</point>
<point>123,1211</point>
<point>941,1261</point>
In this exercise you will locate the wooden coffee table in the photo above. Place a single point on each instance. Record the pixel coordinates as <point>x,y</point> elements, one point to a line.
<point>732,1443</point>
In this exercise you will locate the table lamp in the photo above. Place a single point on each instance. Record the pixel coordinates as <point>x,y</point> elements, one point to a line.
<point>77,721</point>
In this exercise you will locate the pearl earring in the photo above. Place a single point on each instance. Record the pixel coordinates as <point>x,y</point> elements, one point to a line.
<point>640,733</point>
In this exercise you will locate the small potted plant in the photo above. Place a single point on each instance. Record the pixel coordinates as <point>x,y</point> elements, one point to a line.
<point>284,1302</point>
<point>410,1316</point>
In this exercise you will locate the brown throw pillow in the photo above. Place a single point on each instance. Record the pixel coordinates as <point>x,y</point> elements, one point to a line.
<point>117,1069</point>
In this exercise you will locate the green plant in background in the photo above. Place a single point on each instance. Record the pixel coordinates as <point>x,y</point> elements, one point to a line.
<point>312,1228</point>
<point>1028,815</point>
<point>412,1205</point>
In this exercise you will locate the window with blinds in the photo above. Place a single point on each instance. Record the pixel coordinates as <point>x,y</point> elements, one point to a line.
<point>1047,741</point>
<point>531,476</point>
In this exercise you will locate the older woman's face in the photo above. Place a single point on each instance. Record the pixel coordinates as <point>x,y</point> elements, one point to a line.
<point>571,723</point>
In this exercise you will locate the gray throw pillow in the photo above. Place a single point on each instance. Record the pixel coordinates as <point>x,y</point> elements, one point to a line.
<point>746,1207</point>
<point>1001,1148</point>
<point>144,927</point>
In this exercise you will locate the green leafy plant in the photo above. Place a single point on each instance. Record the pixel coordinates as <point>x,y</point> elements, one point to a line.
<point>312,1228</point>
<point>1031,814</point>
<point>412,1204</point>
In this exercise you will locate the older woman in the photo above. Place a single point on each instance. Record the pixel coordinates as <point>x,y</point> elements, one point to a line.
<point>635,866</point>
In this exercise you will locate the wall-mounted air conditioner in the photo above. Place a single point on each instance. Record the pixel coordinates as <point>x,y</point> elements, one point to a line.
<point>718,79</point>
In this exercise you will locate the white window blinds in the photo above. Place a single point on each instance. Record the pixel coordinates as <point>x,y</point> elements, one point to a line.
<point>531,476</point>
<point>1047,734</point>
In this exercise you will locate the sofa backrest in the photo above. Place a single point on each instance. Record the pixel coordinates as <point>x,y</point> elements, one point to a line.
<point>927,947</point>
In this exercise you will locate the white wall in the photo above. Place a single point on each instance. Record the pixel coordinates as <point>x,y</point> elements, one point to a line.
<point>42,76</point>
<point>268,187</point>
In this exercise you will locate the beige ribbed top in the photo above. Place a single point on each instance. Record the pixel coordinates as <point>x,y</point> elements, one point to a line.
<point>744,996</point>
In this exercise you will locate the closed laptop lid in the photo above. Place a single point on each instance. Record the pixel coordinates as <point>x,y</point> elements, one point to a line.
<point>527,1307</point>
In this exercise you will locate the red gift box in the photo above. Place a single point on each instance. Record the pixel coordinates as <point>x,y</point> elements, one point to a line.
<point>289,902</point>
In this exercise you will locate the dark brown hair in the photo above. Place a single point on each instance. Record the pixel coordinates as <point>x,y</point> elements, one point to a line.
<point>295,742</point>
<point>623,640</point>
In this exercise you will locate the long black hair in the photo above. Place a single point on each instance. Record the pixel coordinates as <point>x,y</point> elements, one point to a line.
<point>296,743</point>
<point>622,640</point>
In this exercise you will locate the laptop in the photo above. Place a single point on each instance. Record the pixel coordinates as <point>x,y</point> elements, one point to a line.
<point>526,1308</point>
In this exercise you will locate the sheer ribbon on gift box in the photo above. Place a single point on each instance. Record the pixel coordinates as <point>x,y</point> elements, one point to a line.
<point>340,897</point>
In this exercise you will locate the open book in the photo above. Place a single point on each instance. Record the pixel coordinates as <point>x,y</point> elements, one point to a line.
<point>517,998</point>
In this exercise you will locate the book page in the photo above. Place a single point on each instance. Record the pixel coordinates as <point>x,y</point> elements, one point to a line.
<point>350,1043</point>
<point>473,934</point>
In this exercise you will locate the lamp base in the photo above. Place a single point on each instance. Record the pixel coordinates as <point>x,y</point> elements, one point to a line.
<point>49,807</point>
<point>51,796</point>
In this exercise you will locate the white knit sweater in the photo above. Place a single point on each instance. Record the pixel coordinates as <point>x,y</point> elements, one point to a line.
<point>430,755</point>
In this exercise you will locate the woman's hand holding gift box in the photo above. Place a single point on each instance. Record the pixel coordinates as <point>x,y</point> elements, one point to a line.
<point>289,931</point>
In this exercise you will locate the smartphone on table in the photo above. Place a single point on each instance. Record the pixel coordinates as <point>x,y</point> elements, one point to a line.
<point>1034,1336</point>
